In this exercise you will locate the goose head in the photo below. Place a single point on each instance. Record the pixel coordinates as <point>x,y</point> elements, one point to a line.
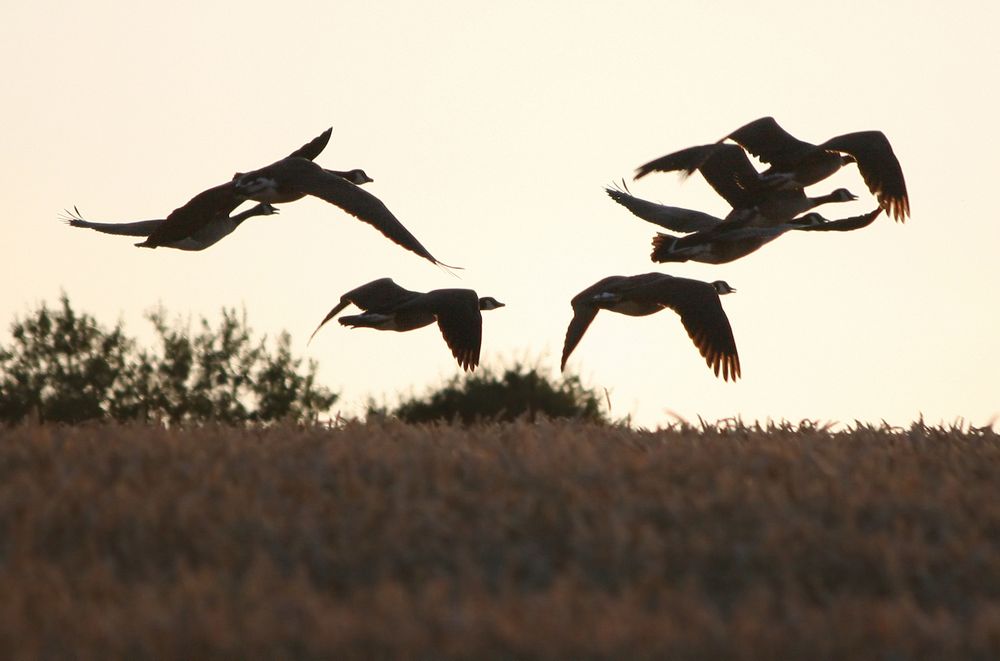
<point>842,195</point>
<point>356,176</point>
<point>722,287</point>
<point>262,209</point>
<point>489,303</point>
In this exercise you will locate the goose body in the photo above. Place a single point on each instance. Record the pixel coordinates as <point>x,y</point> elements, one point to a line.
<point>387,306</point>
<point>210,234</point>
<point>696,302</point>
<point>726,243</point>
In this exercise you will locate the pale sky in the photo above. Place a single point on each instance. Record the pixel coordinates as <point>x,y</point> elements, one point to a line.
<point>490,130</point>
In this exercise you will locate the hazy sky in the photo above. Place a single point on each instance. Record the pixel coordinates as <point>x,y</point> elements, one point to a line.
<point>490,131</point>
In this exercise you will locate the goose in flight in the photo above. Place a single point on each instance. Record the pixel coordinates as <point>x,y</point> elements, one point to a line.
<point>804,163</point>
<point>292,178</point>
<point>727,242</point>
<point>679,219</point>
<point>387,306</point>
<point>286,180</point>
<point>214,222</point>
<point>796,164</point>
<point>210,234</point>
<point>217,225</point>
<point>207,213</point>
<point>728,170</point>
<point>695,301</point>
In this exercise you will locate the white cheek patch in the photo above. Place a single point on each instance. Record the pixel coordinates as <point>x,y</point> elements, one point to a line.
<point>605,298</point>
<point>258,184</point>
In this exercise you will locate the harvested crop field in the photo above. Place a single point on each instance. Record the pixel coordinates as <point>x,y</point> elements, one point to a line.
<point>534,541</point>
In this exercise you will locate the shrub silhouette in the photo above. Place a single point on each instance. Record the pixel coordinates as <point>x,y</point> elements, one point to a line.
<point>518,392</point>
<point>65,367</point>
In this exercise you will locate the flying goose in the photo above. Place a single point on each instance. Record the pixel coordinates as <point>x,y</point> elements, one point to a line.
<point>219,201</point>
<point>805,163</point>
<point>218,225</point>
<point>387,306</point>
<point>797,164</point>
<point>728,242</point>
<point>679,219</point>
<point>214,231</point>
<point>695,301</point>
<point>291,179</point>
<point>729,171</point>
<point>212,207</point>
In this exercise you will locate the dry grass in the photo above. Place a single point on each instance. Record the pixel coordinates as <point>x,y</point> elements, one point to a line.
<point>515,541</point>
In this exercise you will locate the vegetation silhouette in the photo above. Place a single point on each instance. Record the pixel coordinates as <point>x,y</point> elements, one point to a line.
<point>518,392</point>
<point>63,366</point>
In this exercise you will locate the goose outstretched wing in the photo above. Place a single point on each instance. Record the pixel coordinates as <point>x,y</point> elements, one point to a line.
<point>879,168</point>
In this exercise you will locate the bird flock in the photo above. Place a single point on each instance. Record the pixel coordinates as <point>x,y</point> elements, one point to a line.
<point>765,205</point>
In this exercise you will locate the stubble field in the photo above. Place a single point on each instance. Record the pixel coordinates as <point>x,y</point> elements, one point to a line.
<point>535,541</point>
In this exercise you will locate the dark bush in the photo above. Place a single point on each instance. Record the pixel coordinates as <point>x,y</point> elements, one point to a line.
<point>65,367</point>
<point>518,392</point>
